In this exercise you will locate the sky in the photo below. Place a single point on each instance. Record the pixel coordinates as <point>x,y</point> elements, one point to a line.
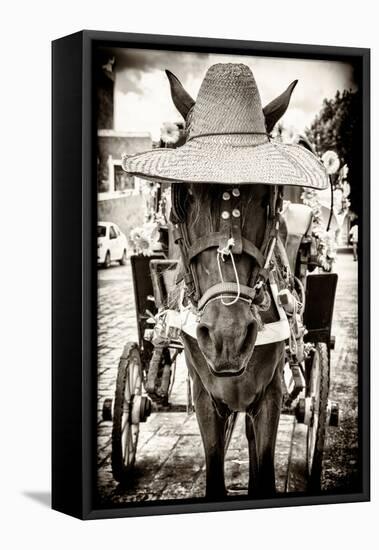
<point>142,95</point>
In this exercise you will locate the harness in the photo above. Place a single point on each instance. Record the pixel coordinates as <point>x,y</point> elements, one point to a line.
<point>228,241</point>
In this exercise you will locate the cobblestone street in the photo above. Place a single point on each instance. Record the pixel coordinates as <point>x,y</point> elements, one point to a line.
<point>170,461</point>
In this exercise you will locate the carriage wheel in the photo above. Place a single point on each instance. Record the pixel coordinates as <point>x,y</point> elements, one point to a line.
<point>318,412</point>
<point>130,408</point>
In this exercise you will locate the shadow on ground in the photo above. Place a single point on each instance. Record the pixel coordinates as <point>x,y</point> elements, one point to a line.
<point>41,497</point>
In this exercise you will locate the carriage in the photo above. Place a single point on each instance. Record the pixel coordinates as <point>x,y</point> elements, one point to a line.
<point>254,291</point>
<point>146,370</point>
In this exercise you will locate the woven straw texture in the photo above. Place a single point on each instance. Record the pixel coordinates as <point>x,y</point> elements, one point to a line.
<point>229,104</point>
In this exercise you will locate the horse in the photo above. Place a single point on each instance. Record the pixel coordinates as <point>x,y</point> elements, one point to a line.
<point>230,374</point>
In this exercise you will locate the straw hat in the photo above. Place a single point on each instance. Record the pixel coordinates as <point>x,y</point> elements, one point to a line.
<point>228,141</point>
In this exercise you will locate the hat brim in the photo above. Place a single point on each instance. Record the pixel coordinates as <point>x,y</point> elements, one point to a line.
<point>207,161</point>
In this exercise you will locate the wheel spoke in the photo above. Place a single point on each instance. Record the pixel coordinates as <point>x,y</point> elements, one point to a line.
<point>134,374</point>
<point>318,392</point>
<point>127,387</point>
<point>314,394</point>
<point>131,441</point>
<point>126,446</point>
<point>125,419</point>
<point>131,445</point>
<point>128,431</point>
<point>135,377</point>
<point>125,434</point>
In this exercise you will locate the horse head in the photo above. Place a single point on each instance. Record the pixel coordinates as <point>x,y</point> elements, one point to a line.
<point>229,323</point>
<point>226,271</point>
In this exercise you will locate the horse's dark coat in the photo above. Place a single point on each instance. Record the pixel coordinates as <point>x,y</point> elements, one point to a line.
<point>227,335</point>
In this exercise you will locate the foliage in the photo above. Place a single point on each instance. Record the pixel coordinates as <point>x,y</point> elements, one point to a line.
<point>338,127</point>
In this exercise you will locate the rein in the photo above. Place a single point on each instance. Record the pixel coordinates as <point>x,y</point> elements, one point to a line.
<point>228,242</point>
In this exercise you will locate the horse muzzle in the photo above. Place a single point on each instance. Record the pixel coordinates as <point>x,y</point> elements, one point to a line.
<point>226,337</point>
<point>226,371</point>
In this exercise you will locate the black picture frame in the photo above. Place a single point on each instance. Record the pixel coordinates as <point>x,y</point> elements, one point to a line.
<point>74,271</point>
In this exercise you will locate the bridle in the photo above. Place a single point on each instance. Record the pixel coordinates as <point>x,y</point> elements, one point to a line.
<point>228,241</point>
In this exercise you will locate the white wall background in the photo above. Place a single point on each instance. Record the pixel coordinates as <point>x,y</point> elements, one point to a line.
<point>27,29</point>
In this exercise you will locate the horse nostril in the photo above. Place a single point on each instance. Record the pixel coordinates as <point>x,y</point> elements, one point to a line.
<point>203,333</point>
<point>207,337</point>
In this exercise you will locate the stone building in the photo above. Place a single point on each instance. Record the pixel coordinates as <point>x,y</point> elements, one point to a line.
<point>111,145</point>
<point>119,195</point>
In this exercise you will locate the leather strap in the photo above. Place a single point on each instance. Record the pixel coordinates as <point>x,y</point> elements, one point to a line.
<point>236,224</point>
<point>229,227</point>
<point>178,199</point>
<point>226,288</point>
<point>214,240</point>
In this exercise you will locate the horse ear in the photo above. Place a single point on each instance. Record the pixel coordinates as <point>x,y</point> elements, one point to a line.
<point>277,107</point>
<point>182,100</point>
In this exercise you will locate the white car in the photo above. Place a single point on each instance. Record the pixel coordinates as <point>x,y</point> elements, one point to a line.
<point>111,244</point>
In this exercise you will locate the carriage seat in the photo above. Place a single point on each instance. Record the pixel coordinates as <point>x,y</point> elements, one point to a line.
<point>296,223</point>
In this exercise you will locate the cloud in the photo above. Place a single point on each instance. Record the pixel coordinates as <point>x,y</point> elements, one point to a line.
<point>132,64</point>
<point>142,96</point>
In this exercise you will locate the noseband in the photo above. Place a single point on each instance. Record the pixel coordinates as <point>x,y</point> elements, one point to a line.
<point>228,242</point>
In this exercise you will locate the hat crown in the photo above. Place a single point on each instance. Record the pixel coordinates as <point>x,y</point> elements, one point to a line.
<point>228,102</point>
<point>227,141</point>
